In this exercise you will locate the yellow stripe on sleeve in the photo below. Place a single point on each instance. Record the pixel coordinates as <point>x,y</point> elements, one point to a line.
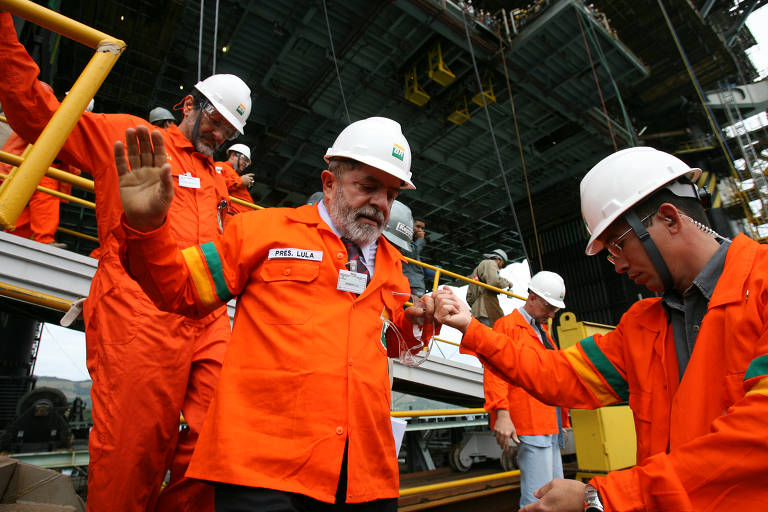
<point>761,388</point>
<point>199,272</point>
<point>589,376</point>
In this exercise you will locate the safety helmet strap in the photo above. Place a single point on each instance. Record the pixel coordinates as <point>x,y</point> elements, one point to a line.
<point>197,122</point>
<point>650,248</point>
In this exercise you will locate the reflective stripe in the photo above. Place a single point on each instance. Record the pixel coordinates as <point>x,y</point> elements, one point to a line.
<point>199,274</point>
<point>757,368</point>
<point>605,367</point>
<point>589,377</point>
<point>212,259</point>
<point>761,388</point>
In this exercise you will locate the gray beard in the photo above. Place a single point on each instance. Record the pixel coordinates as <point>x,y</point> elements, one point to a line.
<point>204,148</point>
<point>345,220</point>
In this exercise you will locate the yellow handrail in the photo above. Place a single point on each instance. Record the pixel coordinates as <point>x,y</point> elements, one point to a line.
<point>436,412</point>
<point>41,299</point>
<point>61,195</point>
<point>52,172</point>
<point>78,234</point>
<point>20,185</point>
<point>458,483</point>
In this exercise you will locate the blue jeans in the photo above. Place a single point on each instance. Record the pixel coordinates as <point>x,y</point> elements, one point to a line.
<point>540,462</point>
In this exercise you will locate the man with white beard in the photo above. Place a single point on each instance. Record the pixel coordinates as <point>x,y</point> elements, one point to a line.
<point>300,419</point>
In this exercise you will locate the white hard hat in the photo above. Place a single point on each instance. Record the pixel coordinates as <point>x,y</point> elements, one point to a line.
<point>497,253</point>
<point>399,228</point>
<point>315,198</point>
<point>160,114</point>
<point>230,96</point>
<point>240,148</point>
<point>378,142</point>
<point>622,180</point>
<point>550,287</point>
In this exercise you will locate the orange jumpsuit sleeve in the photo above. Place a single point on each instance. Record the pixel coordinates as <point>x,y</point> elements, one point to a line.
<point>496,391</point>
<point>568,378</point>
<point>723,470</point>
<point>193,281</point>
<point>231,178</point>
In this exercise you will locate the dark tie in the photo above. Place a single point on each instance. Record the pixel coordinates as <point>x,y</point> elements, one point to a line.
<point>543,335</point>
<point>354,254</point>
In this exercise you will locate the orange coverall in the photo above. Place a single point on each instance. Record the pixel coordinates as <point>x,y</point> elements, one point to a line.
<point>147,366</point>
<point>40,218</point>
<point>235,186</point>
<point>530,416</point>
<point>702,442</point>
<point>306,369</point>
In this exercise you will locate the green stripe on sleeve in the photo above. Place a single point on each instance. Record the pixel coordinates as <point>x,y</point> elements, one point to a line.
<point>605,367</point>
<point>212,259</point>
<point>757,368</point>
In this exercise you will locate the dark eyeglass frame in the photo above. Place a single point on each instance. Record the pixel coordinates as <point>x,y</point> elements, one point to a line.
<point>615,248</point>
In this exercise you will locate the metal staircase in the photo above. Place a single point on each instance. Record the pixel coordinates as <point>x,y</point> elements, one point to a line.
<point>748,184</point>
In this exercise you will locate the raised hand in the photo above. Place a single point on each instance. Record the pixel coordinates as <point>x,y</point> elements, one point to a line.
<point>146,185</point>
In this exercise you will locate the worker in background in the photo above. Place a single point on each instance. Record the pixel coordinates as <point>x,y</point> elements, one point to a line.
<point>693,364</point>
<point>301,417</point>
<point>484,302</point>
<point>515,414</point>
<point>161,117</point>
<point>39,220</point>
<point>147,366</point>
<point>419,242</point>
<point>399,231</point>
<point>238,182</point>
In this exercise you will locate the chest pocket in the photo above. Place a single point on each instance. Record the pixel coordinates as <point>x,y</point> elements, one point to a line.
<point>283,281</point>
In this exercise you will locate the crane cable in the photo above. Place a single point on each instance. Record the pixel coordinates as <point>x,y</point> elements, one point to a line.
<point>712,121</point>
<point>597,83</point>
<point>596,43</point>
<point>520,147</point>
<point>200,42</point>
<point>335,63</point>
<point>493,134</point>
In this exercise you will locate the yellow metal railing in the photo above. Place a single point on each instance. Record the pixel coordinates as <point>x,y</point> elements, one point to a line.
<point>453,483</point>
<point>16,190</point>
<point>458,483</point>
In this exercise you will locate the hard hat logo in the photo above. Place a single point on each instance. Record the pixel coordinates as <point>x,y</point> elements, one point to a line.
<point>241,109</point>
<point>405,229</point>
<point>398,152</point>
<point>378,142</point>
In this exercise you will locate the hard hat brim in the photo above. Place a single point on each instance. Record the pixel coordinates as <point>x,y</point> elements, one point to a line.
<point>594,245</point>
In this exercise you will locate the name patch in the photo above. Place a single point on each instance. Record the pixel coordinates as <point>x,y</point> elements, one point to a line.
<point>296,254</point>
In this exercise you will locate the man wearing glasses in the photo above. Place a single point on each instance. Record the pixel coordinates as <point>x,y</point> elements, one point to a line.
<point>535,427</point>
<point>147,366</point>
<point>693,363</point>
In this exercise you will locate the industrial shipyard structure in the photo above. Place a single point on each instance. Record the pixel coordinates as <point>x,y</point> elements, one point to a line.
<point>505,112</point>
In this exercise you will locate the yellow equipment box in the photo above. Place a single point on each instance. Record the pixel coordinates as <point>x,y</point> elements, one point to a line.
<point>605,438</point>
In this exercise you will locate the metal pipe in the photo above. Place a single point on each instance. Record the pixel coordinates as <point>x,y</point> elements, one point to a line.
<point>31,296</point>
<point>462,278</point>
<point>58,23</point>
<point>16,191</point>
<point>52,172</point>
<point>58,194</point>
<point>437,412</point>
<point>458,483</point>
<point>77,234</point>
<point>245,203</point>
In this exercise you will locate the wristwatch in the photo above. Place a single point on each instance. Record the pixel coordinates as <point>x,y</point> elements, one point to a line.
<point>592,501</point>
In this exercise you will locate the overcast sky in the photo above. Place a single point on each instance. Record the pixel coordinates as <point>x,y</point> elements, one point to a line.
<point>62,351</point>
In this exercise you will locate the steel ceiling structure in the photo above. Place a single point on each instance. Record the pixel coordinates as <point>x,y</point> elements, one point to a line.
<point>281,49</point>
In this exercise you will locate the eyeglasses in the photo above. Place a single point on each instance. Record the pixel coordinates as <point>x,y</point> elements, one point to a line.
<point>549,308</point>
<point>219,122</point>
<point>615,247</point>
